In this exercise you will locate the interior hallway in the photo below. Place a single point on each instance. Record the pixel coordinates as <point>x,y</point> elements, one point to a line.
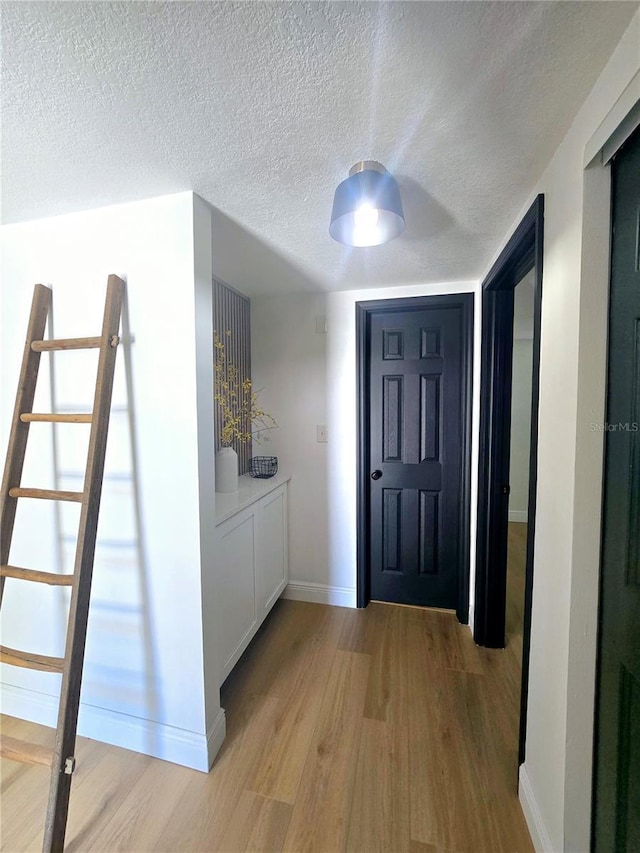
<point>378,730</point>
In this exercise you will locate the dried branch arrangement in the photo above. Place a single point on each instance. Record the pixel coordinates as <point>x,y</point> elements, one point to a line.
<point>241,417</point>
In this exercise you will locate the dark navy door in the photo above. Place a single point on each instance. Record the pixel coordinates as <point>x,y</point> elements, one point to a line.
<point>617,753</point>
<point>416,392</point>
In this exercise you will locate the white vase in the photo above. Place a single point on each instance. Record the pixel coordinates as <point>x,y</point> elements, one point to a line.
<point>226,470</point>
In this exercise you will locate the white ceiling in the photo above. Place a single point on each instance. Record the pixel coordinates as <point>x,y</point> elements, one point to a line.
<point>262,107</point>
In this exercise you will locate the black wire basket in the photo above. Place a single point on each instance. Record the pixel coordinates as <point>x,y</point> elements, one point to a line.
<point>263,467</point>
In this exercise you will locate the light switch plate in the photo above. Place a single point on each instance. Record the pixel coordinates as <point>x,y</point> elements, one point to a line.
<point>322,433</point>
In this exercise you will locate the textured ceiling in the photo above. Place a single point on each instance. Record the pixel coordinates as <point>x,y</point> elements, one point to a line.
<point>262,107</point>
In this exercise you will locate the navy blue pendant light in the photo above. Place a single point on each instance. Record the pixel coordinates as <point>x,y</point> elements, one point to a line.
<point>367,209</point>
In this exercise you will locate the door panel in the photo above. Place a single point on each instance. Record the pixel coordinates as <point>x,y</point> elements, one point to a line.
<point>237,579</point>
<point>393,408</point>
<point>416,417</point>
<point>617,751</point>
<point>428,555</point>
<point>391,525</point>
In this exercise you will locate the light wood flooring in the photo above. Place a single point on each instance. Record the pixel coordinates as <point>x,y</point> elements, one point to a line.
<point>377,730</point>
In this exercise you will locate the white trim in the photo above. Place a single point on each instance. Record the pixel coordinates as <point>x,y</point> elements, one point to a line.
<point>520,515</point>
<point>275,595</point>
<point>216,736</point>
<point>533,816</point>
<point>618,124</point>
<point>239,650</point>
<point>629,125</point>
<point>472,618</point>
<point>319,593</point>
<point>146,736</point>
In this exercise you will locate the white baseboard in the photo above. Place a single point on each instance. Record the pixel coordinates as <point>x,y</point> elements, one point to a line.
<point>318,593</point>
<point>216,736</point>
<point>533,816</point>
<point>519,515</point>
<point>146,736</point>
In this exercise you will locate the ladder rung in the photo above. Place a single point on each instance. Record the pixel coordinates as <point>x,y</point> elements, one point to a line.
<point>66,343</point>
<point>54,418</point>
<point>38,577</point>
<point>29,660</point>
<point>27,753</point>
<point>46,494</point>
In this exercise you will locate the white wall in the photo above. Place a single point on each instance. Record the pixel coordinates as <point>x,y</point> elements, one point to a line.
<point>289,364</point>
<point>143,681</point>
<point>522,367</point>
<point>310,379</point>
<point>555,779</point>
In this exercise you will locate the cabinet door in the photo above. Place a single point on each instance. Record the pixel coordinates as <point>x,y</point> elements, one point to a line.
<point>273,549</point>
<point>237,575</point>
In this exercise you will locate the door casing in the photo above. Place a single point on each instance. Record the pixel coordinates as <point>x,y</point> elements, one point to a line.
<point>364,312</point>
<point>523,252</point>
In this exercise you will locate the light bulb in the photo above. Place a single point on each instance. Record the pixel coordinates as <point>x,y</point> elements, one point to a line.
<point>365,225</point>
<point>365,216</point>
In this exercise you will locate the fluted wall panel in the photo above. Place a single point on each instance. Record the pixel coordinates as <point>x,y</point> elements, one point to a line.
<point>231,313</point>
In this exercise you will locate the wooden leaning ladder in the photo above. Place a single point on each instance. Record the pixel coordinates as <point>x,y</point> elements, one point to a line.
<point>61,758</point>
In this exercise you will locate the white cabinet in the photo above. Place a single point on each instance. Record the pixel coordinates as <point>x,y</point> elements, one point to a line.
<point>273,550</point>
<point>252,568</point>
<point>237,584</point>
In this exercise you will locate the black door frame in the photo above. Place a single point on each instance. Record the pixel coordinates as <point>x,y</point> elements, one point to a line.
<point>523,252</point>
<point>364,313</point>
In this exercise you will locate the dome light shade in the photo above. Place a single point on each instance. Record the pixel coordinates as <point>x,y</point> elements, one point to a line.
<point>367,209</point>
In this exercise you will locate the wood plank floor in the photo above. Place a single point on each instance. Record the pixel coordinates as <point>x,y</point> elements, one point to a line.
<point>377,730</point>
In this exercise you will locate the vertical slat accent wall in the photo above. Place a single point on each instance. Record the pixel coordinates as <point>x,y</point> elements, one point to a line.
<point>231,311</point>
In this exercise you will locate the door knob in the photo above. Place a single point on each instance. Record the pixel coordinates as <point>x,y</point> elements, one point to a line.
<point>376,475</point>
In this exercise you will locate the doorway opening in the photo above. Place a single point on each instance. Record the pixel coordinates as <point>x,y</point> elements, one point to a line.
<point>414,359</point>
<point>519,265</point>
<point>519,454</point>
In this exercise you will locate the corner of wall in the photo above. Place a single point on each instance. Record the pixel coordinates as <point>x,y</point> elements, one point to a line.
<point>585,563</point>
<point>203,332</point>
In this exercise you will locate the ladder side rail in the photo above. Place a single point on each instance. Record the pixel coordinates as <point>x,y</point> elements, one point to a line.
<point>63,757</point>
<point>16,448</point>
